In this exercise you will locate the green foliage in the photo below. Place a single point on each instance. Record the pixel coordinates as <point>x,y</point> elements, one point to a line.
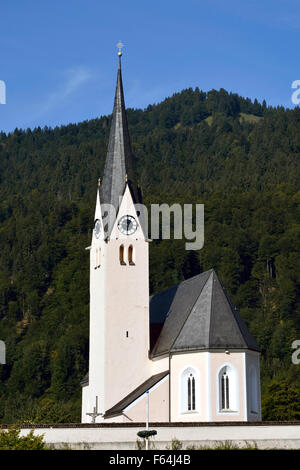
<point>10,439</point>
<point>281,402</point>
<point>239,158</point>
<point>227,445</point>
<point>176,444</point>
<point>25,410</point>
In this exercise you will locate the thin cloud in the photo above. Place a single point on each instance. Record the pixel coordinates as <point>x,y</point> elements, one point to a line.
<point>74,79</point>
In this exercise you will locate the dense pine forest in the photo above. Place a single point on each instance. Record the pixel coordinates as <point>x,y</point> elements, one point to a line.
<point>239,158</point>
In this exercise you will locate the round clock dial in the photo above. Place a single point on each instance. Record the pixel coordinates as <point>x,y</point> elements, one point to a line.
<point>97,228</point>
<point>127,225</point>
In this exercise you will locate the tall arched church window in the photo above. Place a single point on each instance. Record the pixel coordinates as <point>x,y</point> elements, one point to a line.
<point>228,389</point>
<point>130,255</point>
<point>191,392</point>
<point>121,254</point>
<point>189,388</point>
<point>225,391</point>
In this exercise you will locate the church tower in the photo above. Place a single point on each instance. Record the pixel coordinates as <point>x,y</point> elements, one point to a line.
<point>119,279</point>
<point>203,365</point>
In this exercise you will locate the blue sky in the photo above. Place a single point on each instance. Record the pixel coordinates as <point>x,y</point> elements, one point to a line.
<point>58,59</point>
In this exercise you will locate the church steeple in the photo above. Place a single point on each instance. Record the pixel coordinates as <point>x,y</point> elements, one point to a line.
<point>118,170</point>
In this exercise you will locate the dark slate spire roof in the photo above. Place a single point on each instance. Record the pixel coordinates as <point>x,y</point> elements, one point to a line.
<point>118,164</point>
<point>200,316</point>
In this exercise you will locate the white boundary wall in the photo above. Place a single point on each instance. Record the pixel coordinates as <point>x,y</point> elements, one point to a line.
<point>120,437</point>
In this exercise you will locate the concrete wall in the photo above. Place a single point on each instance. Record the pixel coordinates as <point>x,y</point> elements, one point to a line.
<point>121,437</point>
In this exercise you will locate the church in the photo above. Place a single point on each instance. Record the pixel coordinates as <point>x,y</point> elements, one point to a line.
<point>185,351</point>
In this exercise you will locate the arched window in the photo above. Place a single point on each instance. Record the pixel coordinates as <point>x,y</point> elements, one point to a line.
<point>122,260</point>
<point>188,387</point>
<point>130,255</point>
<point>191,392</point>
<point>228,393</point>
<point>225,391</point>
<point>253,390</point>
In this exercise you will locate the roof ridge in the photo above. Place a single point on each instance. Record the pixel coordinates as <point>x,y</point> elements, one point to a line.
<point>191,310</point>
<point>237,319</point>
<point>213,274</point>
<point>155,378</point>
<point>236,315</point>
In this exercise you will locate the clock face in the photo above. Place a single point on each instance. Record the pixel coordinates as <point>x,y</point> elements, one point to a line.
<point>127,225</point>
<point>97,228</point>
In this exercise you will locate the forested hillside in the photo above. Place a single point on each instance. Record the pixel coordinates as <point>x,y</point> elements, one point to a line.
<point>239,158</point>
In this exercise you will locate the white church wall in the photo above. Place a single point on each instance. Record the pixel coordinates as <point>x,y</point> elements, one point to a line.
<point>234,361</point>
<point>127,310</point>
<point>119,316</point>
<point>127,364</point>
<point>179,364</point>
<point>97,356</point>
<point>253,386</point>
<point>86,405</point>
<point>158,405</point>
<point>207,367</point>
<point>160,364</point>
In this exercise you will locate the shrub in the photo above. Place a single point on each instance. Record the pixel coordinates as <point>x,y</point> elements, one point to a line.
<point>11,440</point>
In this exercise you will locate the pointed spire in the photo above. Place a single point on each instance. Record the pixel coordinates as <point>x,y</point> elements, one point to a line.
<point>119,157</point>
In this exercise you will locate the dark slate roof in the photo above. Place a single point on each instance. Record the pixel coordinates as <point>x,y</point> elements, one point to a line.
<point>198,314</point>
<point>118,162</point>
<point>119,407</point>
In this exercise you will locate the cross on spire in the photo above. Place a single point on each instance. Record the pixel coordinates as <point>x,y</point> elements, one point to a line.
<point>120,46</point>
